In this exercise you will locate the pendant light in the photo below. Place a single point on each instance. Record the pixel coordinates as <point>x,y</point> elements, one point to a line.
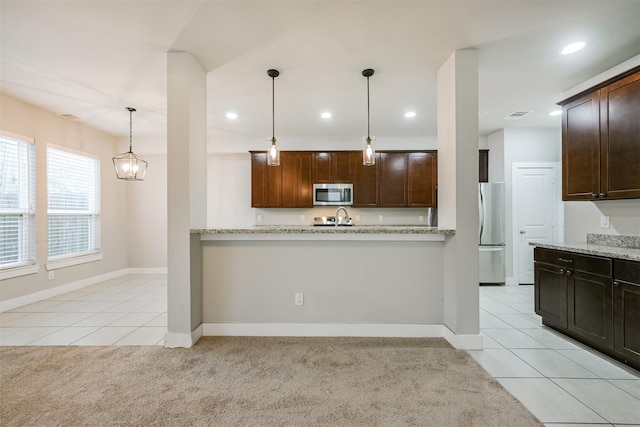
<point>368,153</point>
<point>129,166</point>
<point>273,155</point>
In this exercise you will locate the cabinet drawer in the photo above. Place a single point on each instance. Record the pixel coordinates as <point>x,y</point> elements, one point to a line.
<point>574,261</point>
<point>628,271</point>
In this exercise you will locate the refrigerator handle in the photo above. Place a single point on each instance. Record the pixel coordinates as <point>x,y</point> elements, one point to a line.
<point>482,211</point>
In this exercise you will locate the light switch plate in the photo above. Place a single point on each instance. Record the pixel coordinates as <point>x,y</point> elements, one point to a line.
<point>604,221</point>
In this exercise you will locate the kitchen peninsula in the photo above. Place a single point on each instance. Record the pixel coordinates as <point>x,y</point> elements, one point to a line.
<point>360,280</point>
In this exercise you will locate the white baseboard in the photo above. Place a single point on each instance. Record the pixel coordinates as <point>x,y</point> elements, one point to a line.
<point>148,270</point>
<point>342,330</point>
<point>464,342</point>
<point>183,340</point>
<point>10,304</point>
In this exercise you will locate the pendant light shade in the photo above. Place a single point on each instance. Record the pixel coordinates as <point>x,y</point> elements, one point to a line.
<point>273,153</point>
<point>368,152</point>
<point>129,166</point>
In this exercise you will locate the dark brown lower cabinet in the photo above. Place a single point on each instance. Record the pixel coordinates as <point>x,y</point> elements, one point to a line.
<point>626,300</point>
<point>592,299</point>
<point>551,294</point>
<point>590,307</point>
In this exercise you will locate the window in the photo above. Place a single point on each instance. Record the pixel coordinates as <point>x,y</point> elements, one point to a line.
<point>17,201</point>
<point>73,184</point>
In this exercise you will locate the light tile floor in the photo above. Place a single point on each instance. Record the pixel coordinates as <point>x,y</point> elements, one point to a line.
<point>128,310</point>
<point>559,380</point>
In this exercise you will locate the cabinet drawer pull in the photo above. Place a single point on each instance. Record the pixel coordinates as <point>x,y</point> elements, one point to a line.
<point>569,261</point>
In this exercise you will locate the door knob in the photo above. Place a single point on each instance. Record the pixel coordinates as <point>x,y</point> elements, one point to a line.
<point>522,232</point>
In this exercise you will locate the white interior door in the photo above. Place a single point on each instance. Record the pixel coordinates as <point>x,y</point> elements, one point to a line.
<point>535,200</point>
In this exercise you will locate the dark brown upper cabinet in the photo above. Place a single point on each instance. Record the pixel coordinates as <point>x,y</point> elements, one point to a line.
<point>333,167</point>
<point>393,179</point>
<point>286,186</point>
<point>408,179</point>
<point>422,177</point>
<point>600,145</point>
<point>365,183</point>
<point>483,157</point>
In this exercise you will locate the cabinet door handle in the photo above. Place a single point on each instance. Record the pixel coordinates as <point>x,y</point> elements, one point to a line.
<point>568,272</point>
<point>594,195</point>
<point>601,195</point>
<point>616,283</point>
<point>562,271</point>
<point>568,261</point>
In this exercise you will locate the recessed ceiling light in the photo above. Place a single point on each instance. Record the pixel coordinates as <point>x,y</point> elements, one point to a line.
<point>555,113</point>
<point>231,116</point>
<point>573,48</point>
<point>410,114</point>
<point>325,115</point>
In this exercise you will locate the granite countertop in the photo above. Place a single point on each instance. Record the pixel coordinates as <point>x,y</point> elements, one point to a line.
<point>620,247</point>
<point>309,229</point>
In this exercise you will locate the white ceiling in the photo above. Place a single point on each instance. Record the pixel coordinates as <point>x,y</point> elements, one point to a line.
<point>93,58</point>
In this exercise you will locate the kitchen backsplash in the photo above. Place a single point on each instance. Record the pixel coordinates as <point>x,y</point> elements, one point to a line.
<point>614,240</point>
<point>387,216</point>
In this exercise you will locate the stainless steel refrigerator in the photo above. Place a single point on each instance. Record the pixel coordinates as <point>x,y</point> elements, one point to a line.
<point>492,233</point>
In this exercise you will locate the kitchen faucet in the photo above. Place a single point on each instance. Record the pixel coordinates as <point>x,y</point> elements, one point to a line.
<point>346,215</point>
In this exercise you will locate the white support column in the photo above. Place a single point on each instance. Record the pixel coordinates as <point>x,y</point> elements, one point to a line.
<point>458,192</point>
<point>186,195</point>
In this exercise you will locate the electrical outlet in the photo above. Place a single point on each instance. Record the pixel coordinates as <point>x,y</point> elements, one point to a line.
<point>421,218</point>
<point>259,218</point>
<point>298,298</point>
<point>52,275</point>
<point>604,221</point>
<point>380,218</point>
<point>357,217</point>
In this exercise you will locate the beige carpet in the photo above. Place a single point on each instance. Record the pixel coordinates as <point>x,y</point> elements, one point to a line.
<point>255,382</point>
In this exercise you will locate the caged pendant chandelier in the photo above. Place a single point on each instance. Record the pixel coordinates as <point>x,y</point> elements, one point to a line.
<point>129,166</point>
<point>273,155</point>
<point>368,153</point>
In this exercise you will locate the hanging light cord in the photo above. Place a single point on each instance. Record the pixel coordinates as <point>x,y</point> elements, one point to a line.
<point>130,130</point>
<point>368,131</point>
<point>273,109</point>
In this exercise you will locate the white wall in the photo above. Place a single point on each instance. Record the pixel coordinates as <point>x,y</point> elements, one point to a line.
<point>584,217</point>
<point>514,146</point>
<point>363,282</point>
<point>147,215</point>
<point>45,127</point>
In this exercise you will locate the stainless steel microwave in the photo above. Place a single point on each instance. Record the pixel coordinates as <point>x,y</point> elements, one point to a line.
<point>333,194</point>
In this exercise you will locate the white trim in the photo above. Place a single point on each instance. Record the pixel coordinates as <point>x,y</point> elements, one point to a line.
<point>464,342</point>
<point>148,270</point>
<point>343,330</point>
<point>22,270</point>
<point>17,136</point>
<point>68,262</point>
<point>182,340</point>
<point>10,304</point>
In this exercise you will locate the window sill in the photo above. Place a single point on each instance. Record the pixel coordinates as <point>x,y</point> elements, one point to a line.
<point>68,262</point>
<point>25,270</point>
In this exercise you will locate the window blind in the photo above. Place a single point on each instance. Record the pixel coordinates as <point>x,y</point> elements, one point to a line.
<point>73,186</point>
<point>17,202</point>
